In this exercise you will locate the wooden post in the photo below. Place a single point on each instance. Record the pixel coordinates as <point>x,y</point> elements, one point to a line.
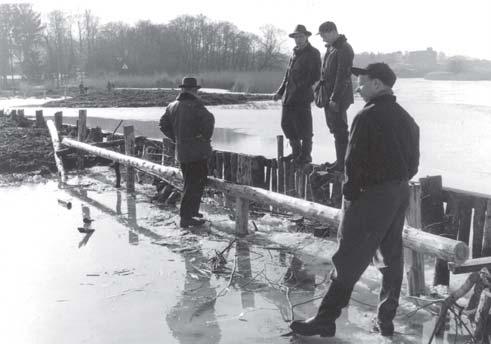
<point>414,261</point>
<point>59,120</point>
<point>432,220</point>
<point>241,216</point>
<point>290,178</point>
<point>20,113</point>
<point>274,175</point>
<point>117,170</point>
<point>281,165</point>
<point>129,148</point>
<point>244,167</point>
<point>55,139</point>
<point>267,180</point>
<point>486,241</point>
<point>478,226</point>
<point>233,167</point>
<point>219,165</point>
<point>308,189</point>
<point>337,190</point>
<point>227,176</point>
<point>81,134</point>
<point>257,171</point>
<point>40,119</point>
<point>465,216</point>
<point>2,112</point>
<point>301,184</point>
<point>482,315</point>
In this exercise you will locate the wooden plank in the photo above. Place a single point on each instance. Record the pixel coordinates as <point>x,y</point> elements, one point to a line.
<point>281,164</point>
<point>486,242</point>
<point>479,218</point>
<point>59,120</point>
<point>414,260</point>
<point>129,148</point>
<point>241,216</point>
<point>470,265</point>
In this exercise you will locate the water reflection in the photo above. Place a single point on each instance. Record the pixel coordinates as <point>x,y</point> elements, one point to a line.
<point>192,319</point>
<point>131,205</point>
<point>245,271</point>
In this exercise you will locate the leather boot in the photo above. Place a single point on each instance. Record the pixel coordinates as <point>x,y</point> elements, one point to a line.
<point>306,150</point>
<point>296,149</point>
<point>340,155</point>
<point>314,327</point>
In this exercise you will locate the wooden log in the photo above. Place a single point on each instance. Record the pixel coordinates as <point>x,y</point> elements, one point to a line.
<point>479,218</point>
<point>81,134</point>
<point>281,164</point>
<point>432,220</point>
<point>241,216</point>
<point>55,140</point>
<point>129,147</point>
<point>219,165</point>
<point>414,259</point>
<point>486,242</point>
<point>40,123</point>
<point>444,248</point>
<point>59,120</point>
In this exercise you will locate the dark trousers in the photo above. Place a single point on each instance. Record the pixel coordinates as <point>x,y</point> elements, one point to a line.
<point>195,175</point>
<point>371,228</point>
<point>337,122</point>
<point>296,122</point>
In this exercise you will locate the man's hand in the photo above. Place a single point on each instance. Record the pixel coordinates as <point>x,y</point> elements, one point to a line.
<point>276,96</point>
<point>333,106</point>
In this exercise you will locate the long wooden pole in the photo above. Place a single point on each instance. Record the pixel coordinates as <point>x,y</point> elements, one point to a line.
<point>444,248</point>
<point>55,139</point>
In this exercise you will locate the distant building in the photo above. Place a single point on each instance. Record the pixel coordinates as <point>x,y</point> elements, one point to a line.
<point>423,59</point>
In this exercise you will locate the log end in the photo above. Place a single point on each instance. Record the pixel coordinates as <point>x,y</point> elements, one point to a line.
<point>461,252</point>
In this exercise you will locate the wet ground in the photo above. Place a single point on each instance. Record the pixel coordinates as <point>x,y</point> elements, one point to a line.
<point>133,276</point>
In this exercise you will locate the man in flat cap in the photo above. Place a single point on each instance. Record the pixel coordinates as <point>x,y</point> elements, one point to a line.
<point>297,94</point>
<point>382,156</point>
<point>190,125</point>
<point>336,87</point>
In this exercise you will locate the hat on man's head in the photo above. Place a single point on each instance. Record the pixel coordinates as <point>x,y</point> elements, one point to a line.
<point>189,82</point>
<point>327,26</point>
<point>300,29</point>
<point>378,70</point>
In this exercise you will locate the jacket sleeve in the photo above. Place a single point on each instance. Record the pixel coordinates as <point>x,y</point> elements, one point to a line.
<point>281,89</point>
<point>414,158</point>
<point>207,125</point>
<point>343,72</point>
<point>166,125</point>
<point>356,158</point>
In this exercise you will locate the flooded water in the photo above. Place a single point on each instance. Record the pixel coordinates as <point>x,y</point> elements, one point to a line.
<point>454,116</point>
<point>134,277</point>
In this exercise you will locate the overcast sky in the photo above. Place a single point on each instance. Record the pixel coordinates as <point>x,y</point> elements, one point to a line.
<point>454,27</point>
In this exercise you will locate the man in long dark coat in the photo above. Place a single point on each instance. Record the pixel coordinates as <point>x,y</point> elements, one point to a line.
<point>297,94</point>
<point>190,125</point>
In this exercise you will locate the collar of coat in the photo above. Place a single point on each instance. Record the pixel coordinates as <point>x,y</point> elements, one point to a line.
<point>339,41</point>
<point>186,96</point>
<point>384,97</point>
<point>299,51</point>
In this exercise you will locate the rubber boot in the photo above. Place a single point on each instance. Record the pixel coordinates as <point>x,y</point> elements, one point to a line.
<point>296,149</point>
<point>306,150</point>
<point>340,155</point>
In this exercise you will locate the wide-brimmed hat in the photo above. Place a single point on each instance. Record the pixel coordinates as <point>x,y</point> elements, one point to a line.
<point>300,29</point>
<point>189,82</point>
<point>378,70</point>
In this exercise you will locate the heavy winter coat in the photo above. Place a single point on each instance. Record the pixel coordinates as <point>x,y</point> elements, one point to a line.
<point>336,73</point>
<point>302,73</point>
<point>190,125</point>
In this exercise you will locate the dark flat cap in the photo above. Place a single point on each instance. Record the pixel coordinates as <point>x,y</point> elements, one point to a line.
<point>378,70</point>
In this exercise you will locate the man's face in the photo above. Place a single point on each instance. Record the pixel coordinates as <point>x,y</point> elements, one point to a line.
<point>366,87</point>
<point>329,36</point>
<point>300,39</point>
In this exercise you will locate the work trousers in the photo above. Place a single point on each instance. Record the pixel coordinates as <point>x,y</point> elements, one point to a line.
<point>371,228</point>
<point>296,122</point>
<point>195,175</point>
<point>337,122</point>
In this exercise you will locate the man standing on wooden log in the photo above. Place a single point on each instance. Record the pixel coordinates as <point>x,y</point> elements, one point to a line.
<point>190,125</point>
<point>335,90</point>
<point>297,94</point>
<point>382,156</point>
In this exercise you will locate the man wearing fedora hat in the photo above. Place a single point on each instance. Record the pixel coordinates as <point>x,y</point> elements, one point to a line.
<point>190,125</point>
<point>296,93</point>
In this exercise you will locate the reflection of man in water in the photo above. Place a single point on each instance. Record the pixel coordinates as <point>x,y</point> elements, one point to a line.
<point>192,319</point>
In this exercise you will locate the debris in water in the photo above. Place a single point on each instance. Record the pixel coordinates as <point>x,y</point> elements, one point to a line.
<point>85,230</point>
<point>66,204</point>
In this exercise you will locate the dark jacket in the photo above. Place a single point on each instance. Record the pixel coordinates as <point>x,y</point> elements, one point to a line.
<point>302,73</point>
<point>336,72</point>
<point>383,146</point>
<point>190,125</point>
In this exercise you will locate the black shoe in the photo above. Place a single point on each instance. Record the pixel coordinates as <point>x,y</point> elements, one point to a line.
<point>185,223</point>
<point>314,327</point>
<point>386,330</point>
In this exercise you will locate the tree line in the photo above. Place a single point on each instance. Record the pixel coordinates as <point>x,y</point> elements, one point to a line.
<point>66,46</point>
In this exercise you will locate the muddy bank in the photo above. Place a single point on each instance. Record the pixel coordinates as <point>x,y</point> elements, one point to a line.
<point>147,98</point>
<point>24,148</point>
